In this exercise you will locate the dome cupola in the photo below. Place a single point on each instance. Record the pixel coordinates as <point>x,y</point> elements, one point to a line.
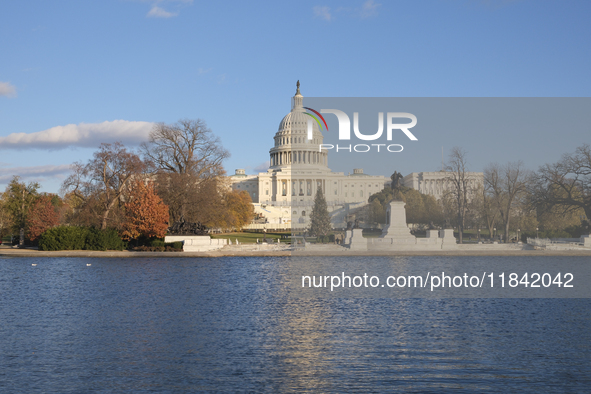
<point>291,144</point>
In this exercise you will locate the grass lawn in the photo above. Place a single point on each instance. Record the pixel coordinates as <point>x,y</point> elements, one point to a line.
<point>251,237</point>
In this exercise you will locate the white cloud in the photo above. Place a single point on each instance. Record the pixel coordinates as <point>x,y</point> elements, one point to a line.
<point>6,89</point>
<point>322,12</point>
<point>262,167</point>
<point>369,8</point>
<point>202,71</point>
<point>88,135</point>
<point>34,173</point>
<point>157,12</point>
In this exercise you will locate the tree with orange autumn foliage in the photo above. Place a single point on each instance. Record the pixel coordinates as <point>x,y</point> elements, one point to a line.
<point>233,210</point>
<point>42,216</point>
<point>145,213</point>
<point>240,209</point>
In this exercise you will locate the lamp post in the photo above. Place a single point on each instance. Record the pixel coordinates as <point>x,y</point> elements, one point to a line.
<point>518,239</point>
<point>494,233</point>
<point>537,232</point>
<point>478,235</point>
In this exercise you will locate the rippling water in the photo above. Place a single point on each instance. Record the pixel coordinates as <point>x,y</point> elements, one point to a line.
<point>191,325</point>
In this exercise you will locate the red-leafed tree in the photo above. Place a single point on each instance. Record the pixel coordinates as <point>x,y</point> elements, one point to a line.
<point>42,216</point>
<point>145,213</point>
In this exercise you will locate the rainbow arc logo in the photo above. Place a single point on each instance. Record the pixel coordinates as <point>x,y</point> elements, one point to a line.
<point>316,119</point>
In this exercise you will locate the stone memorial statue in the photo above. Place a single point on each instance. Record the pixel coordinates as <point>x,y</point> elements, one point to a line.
<point>185,228</point>
<point>396,180</point>
<point>396,186</point>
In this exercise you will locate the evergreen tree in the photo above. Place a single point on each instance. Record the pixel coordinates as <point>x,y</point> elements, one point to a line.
<point>320,219</point>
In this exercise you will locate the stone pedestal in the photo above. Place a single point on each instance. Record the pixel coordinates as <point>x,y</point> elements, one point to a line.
<point>448,239</point>
<point>396,227</point>
<point>447,233</point>
<point>432,233</point>
<point>586,240</point>
<point>347,238</point>
<point>197,243</point>
<point>357,241</point>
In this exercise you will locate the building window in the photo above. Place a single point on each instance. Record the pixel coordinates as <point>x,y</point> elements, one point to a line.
<point>294,213</point>
<point>361,193</point>
<point>267,192</point>
<point>303,213</point>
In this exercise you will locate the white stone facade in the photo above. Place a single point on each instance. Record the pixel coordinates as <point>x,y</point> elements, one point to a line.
<point>437,183</point>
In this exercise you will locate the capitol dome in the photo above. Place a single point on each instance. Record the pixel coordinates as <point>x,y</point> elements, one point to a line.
<point>291,144</point>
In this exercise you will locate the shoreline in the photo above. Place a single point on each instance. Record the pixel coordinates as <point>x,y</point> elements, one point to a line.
<point>28,253</point>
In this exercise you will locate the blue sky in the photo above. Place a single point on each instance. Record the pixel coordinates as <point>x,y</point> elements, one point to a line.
<point>110,68</point>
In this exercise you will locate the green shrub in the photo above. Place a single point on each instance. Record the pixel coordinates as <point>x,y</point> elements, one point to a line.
<point>63,238</point>
<point>94,240</point>
<point>80,238</point>
<point>157,243</point>
<point>322,239</point>
<point>112,240</point>
<point>175,245</point>
<point>103,239</point>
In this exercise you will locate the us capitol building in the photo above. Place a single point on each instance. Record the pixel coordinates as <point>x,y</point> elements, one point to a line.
<point>284,195</point>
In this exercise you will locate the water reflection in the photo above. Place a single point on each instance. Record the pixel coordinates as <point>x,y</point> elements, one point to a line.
<point>235,325</point>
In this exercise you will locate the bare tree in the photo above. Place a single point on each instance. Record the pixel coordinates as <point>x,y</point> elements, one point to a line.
<point>461,185</point>
<point>103,180</point>
<point>565,184</point>
<point>186,147</point>
<point>490,211</point>
<point>187,159</point>
<point>506,184</point>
